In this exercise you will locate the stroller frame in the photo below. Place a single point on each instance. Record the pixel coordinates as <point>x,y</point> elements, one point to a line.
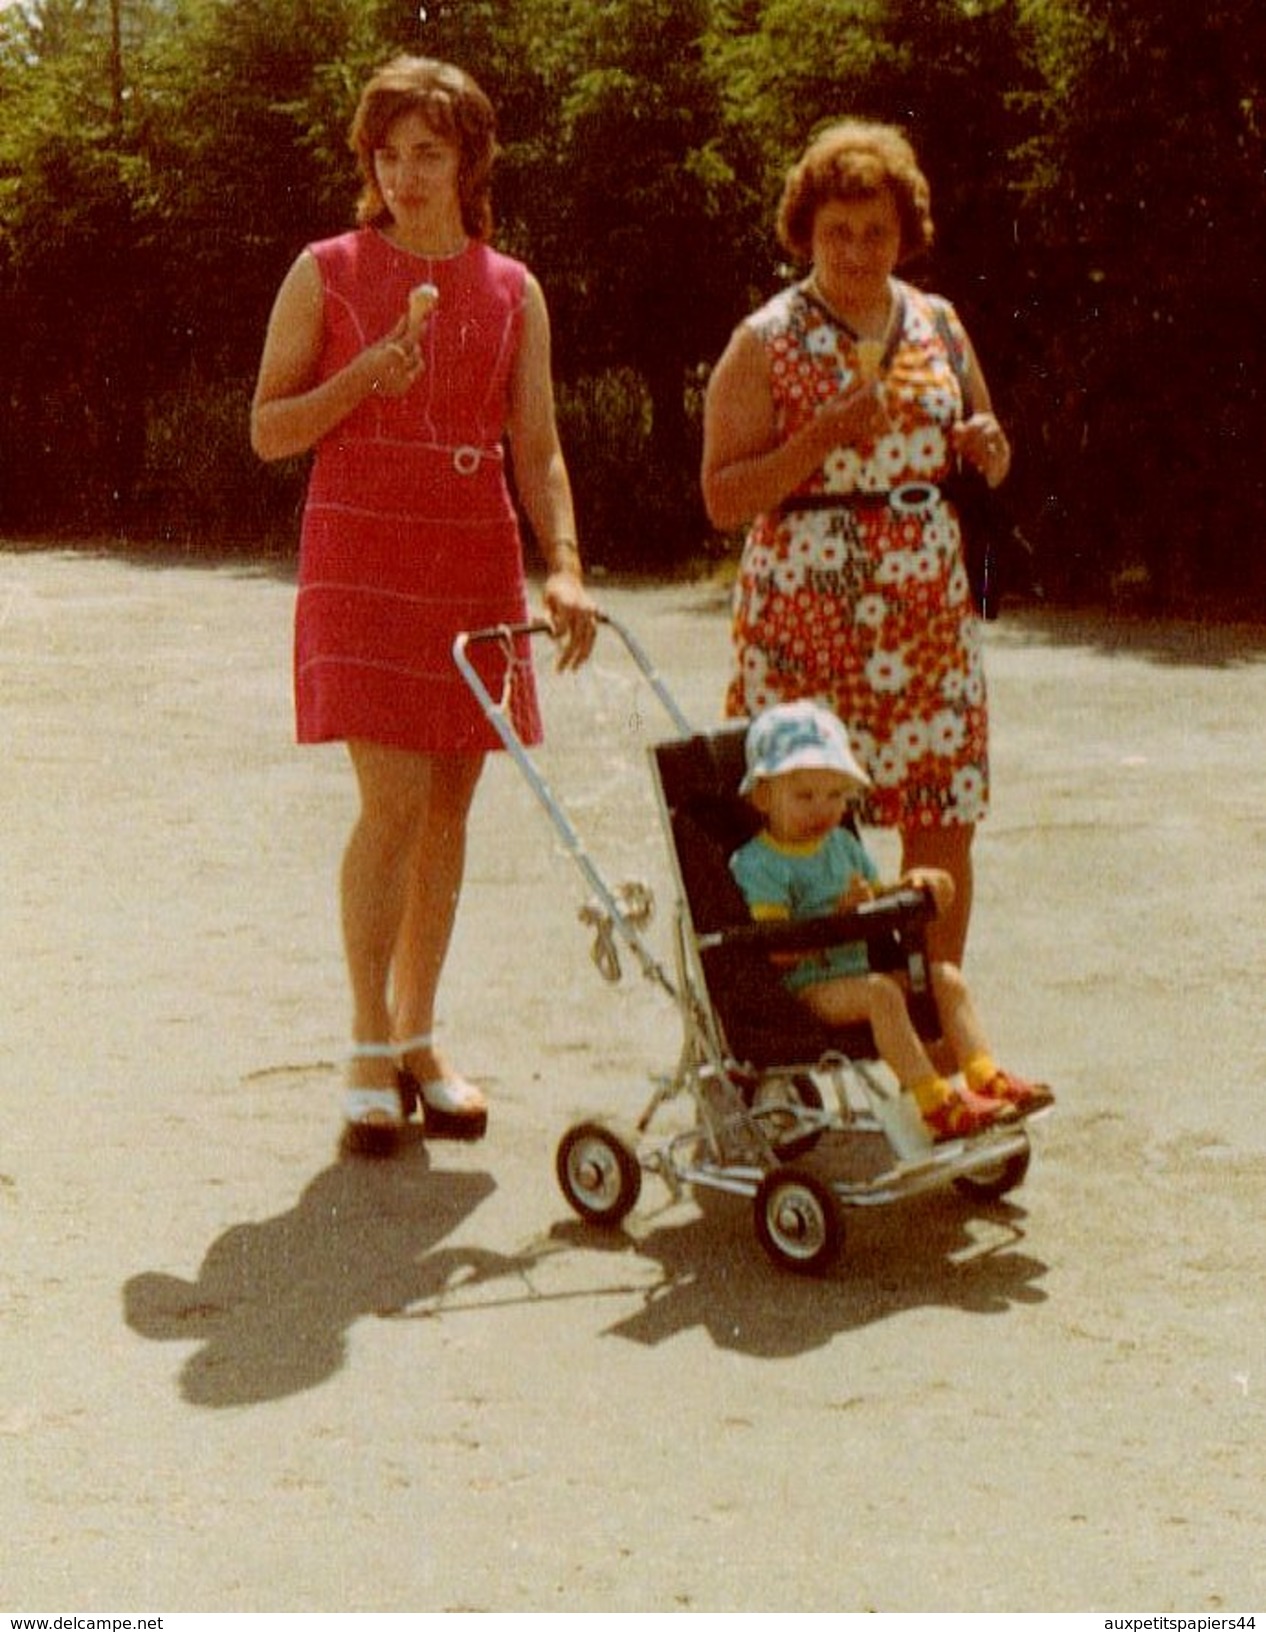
<point>753,1123</point>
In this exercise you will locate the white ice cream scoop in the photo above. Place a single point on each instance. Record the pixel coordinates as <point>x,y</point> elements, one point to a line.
<point>422,302</point>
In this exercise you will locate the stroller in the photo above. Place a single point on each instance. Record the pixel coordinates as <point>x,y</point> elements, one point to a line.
<point>765,1083</point>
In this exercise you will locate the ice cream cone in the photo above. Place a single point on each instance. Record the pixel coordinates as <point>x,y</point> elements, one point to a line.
<point>422,302</point>
<point>870,354</point>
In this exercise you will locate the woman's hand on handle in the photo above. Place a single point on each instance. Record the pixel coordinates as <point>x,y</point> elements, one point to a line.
<point>574,615</point>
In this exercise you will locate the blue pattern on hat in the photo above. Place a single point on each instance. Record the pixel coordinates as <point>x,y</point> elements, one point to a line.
<point>787,732</point>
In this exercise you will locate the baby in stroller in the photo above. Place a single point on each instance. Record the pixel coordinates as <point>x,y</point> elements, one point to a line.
<point>802,779</point>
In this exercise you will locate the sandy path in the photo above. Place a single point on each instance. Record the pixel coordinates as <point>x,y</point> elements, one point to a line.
<point>237,1375</point>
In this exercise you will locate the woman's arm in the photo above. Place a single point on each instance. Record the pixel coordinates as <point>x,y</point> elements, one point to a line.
<point>981,439</point>
<point>746,468</point>
<point>540,474</point>
<point>291,411</point>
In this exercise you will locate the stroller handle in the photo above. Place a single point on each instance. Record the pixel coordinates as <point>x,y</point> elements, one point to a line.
<point>507,631</point>
<point>497,713</point>
<point>504,634</point>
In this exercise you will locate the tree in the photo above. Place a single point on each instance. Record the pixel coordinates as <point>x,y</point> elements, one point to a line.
<point>618,192</point>
<point>1143,189</point>
<point>75,201</point>
<point>161,166</point>
<point>1097,171</point>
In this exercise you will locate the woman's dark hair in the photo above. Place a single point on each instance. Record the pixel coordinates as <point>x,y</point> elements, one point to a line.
<point>855,159</point>
<point>453,106</point>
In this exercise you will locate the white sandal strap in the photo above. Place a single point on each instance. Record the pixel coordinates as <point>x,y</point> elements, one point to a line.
<point>408,1045</point>
<point>372,1051</point>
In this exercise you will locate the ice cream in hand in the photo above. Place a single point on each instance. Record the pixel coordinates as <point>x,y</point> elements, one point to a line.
<point>870,354</point>
<point>422,302</point>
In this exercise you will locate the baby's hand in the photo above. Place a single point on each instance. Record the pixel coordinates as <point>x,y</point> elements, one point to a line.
<point>858,891</point>
<point>938,884</point>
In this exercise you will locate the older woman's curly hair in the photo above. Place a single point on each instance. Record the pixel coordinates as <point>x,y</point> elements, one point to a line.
<point>855,159</point>
<point>455,108</point>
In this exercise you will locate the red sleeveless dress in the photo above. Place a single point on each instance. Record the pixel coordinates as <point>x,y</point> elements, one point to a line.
<point>409,531</point>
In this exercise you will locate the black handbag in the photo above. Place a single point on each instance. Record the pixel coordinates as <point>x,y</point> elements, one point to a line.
<point>985,520</point>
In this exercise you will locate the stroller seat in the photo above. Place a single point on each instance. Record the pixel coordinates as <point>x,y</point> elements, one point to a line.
<point>764,1025</point>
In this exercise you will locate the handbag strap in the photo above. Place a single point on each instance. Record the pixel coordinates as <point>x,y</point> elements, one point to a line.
<point>940,316</point>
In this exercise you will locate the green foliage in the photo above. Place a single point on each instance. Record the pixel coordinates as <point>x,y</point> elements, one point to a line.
<point>605,422</point>
<point>75,205</point>
<point>198,461</point>
<point>1097,170</point>
<point>641,174</point>
<point>1143,186</point>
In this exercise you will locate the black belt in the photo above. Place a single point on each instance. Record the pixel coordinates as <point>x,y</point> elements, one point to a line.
<point>909,499</point>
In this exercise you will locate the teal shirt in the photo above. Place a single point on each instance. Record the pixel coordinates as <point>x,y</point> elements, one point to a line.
<point>792,882</point>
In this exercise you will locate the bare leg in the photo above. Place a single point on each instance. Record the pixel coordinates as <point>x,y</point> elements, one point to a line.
<point>374,876</point>
<point>948,848</point>
<point>436,866</point>
<point>966,1039</point>
<point>963,1030</point>
<point>880,1002</point>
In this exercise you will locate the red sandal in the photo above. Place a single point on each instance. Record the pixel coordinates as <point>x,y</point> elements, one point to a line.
<point>1026,1097</point>
<point>963,1115</point>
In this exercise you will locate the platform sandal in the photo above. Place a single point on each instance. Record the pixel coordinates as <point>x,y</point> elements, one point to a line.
<point>373,1118</point>
<point>963,1115</point>
<point>1027,1097</point>
<point>451,1107</point>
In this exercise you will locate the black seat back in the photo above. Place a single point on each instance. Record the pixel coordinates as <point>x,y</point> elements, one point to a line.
<point>763,1023</point>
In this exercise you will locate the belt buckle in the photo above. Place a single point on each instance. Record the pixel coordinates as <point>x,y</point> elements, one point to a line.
<point>467,459</point>
<point>913,498</point>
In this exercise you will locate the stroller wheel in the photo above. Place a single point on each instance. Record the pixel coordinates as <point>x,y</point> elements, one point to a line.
<point>599,1173</point>
<point>991,1183</point>
<point>797,1221</point>
<point>777,1099</point>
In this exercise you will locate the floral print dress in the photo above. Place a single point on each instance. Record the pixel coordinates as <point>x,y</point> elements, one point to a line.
<point>854,590</point>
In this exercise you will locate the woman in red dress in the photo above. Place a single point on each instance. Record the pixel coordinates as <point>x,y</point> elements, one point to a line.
<point>407,354</point>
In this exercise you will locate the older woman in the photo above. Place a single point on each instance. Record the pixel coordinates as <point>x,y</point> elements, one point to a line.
<point>404,352</point>
<point>831,418</point>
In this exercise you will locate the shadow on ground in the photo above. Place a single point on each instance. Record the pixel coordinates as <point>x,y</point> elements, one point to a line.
<point>919,1254</point>
<point>698,1265</point>
<point>1172,643</point>
<point>273,1301</point>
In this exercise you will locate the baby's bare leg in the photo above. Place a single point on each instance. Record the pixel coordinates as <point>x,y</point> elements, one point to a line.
<point>880,1002</point>
<point>961,1023</point>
